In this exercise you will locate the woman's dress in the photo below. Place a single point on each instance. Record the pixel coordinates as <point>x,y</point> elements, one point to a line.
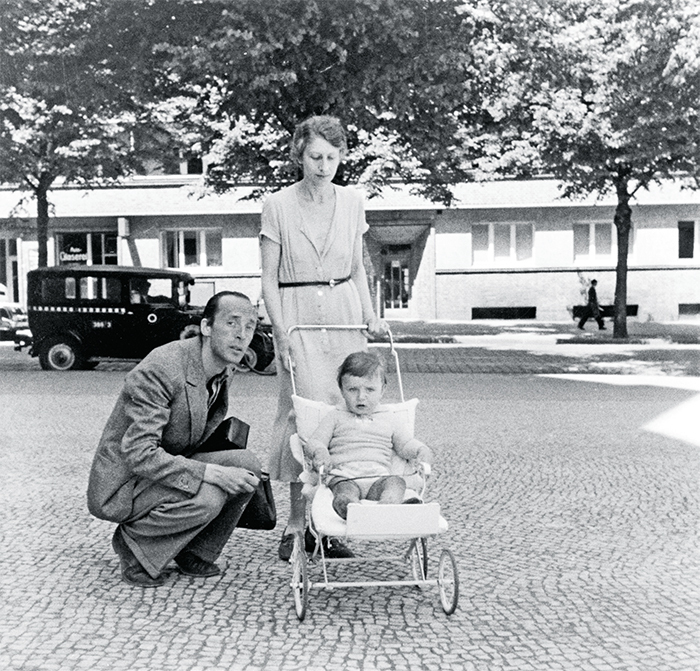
<point>317,355</point>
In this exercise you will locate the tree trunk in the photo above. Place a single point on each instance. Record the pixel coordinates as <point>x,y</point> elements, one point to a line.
<point>623,224</point>
<point>42,218</point>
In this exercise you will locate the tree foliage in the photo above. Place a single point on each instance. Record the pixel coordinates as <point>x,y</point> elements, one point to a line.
<point>403,75</point>
<point>603,94</point>
<point>65,113</point>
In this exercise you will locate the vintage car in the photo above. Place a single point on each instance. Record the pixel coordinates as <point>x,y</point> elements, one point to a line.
<point>13,319</point>
<point>81,314</point>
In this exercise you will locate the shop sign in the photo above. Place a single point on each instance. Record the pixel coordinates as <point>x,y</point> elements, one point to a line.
<point>73,255</point>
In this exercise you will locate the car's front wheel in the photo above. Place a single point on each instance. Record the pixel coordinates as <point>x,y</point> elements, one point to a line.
<point>61,354</point>
<point>189,331</point>
<point>260,354</point>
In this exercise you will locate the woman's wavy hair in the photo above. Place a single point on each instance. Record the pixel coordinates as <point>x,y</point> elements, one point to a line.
<point>327,127</point>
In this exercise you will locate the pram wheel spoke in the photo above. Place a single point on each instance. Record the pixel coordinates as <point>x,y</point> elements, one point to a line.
<point>418,558</point>
<point>448,582</point>
<point>300,578</point>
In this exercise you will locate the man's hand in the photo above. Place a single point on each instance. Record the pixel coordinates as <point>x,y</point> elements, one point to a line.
<point>231,479</point>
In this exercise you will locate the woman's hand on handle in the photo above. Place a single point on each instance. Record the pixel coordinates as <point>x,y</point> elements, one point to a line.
<point>377,327</point>
<point>281,340</point>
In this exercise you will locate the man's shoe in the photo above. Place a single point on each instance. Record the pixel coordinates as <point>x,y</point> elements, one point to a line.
<point>286,547</point>
<point>137,575</point>
<point>190,564</point>
<point>132,571</point>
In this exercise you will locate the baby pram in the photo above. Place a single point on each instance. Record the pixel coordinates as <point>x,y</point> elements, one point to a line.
<point>367,521</point>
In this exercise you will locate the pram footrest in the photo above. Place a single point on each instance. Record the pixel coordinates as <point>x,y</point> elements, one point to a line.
<point>393,520</point>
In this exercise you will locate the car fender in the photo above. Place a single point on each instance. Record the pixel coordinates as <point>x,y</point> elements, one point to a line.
<point>67,333</point>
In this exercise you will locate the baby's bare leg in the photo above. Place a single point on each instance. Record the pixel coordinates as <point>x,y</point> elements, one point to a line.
<point>344,492</point>
<point>389,489</point>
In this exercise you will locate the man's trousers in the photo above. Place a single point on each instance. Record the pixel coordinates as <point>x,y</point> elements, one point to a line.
<point>166,521</point>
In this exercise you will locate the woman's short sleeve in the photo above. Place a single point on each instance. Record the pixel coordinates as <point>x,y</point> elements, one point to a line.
<point>364,226</point>
<point>270,223</point>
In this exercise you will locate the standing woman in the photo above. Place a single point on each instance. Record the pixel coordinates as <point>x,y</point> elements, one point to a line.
<point>312,273</point>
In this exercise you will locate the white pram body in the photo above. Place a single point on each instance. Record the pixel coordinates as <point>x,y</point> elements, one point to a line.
<point>368,520</point>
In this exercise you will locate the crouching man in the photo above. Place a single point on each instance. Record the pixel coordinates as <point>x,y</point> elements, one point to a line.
<point>169,500</point>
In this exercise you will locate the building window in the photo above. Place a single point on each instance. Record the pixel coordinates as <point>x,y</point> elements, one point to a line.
<point>193,247</point>
<point>194,165</point>
<point>87,249</point>
<point>523,242</point>
<point>686,239</point>
<point>501,244</point>
<point>603,239</point>
<point>592,240</point>
<point>480,244</point>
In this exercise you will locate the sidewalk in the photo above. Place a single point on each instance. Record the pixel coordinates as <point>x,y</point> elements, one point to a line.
<point>682,333</point>
<point>525,347</point>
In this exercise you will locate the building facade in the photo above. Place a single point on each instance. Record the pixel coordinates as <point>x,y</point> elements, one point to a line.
<point>504,250</point>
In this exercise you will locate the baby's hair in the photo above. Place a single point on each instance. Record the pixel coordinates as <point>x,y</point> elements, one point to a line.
<point>361,364</point>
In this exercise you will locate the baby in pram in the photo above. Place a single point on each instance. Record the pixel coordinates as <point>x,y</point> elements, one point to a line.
<point>354,445</point>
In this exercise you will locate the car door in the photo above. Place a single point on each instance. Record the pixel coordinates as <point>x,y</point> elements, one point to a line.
<point>151,318</point>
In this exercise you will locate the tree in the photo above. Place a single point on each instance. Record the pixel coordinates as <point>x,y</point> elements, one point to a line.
<point>602,94</point>
<point>401,74</point>
<point>65,115</point>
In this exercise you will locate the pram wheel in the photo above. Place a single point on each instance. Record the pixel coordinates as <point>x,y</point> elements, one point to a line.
<point>448,582</point>
<point>300,578</point>
<point>418,556</point>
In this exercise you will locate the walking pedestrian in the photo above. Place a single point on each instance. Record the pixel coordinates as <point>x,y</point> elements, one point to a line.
<point>592,309</point>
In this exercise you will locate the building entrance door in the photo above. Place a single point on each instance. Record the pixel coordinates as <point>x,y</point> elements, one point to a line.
<point>396,280</point>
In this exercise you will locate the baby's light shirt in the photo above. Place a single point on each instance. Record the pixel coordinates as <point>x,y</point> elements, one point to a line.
<point>365,438</point>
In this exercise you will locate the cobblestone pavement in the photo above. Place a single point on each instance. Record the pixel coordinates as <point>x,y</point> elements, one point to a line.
<point>497,353</point>
<point>575,531</point>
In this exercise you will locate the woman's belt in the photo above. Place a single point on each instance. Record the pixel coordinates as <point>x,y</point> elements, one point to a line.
<point>325,283</point>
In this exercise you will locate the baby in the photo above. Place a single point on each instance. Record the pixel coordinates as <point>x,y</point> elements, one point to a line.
<point>355,444</point>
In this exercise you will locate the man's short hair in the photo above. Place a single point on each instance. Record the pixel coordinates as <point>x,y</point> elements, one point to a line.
<point>361,364</point>
<point>212,306</point>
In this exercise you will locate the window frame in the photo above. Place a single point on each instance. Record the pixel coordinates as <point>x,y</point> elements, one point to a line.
<point>594,255</point>
<point>692,226</point>
<point>179,256</point>
<point>488,257</point>
<point>93,240</point>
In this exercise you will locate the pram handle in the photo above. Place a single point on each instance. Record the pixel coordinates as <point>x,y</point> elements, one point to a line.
<point>344,327</point>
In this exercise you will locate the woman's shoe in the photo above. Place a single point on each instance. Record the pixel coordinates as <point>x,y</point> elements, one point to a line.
<point>332,547</point>
<point>286,547</point>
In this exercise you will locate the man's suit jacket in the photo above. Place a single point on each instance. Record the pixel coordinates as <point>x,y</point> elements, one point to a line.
<point>159,419</point>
